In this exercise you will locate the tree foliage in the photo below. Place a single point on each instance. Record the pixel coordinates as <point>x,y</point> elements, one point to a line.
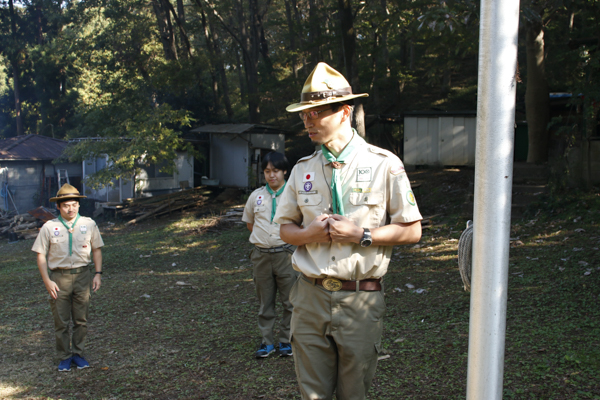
<point>147,70</point>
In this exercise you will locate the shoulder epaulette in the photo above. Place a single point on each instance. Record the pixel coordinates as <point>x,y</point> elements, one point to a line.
<point>382,152</point>
<point>313,155</point>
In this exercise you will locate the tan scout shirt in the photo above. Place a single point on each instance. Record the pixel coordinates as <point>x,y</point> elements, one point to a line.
<point>376,192</point>
<point>258,212</point>
<point>53,241</point>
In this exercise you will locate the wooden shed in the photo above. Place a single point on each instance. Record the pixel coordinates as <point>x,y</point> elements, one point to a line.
<point>236,151</point>
<point>28,178</point>
<point>439,138</point>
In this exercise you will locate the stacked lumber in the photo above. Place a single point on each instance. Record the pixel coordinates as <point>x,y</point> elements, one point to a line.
<point>23,226</point>
<point>139,209</point>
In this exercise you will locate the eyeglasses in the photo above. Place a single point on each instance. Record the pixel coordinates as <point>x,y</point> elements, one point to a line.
<point>311,114</point>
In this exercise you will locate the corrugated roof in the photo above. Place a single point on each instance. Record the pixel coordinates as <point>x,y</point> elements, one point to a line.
<point>31,147</point>
<point>237,129</point>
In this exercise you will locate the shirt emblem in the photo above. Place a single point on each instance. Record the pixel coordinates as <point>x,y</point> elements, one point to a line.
<point>307,186</point>
<point>397,169</point>
<point>363,174</point>
<point>56,231</point>
<point>410,197</point>
<point>259,199</point>
<point>308,177</point>
<point>83,228</point>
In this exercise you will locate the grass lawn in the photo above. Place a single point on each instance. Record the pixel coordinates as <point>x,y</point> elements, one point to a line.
<point>175,317</point>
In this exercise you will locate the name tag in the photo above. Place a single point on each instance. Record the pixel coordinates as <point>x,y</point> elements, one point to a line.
<point>363,174</point>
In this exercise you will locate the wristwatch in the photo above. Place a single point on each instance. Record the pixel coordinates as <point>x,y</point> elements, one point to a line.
<point>366,239</point>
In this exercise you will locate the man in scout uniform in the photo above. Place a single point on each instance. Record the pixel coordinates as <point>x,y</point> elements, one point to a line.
<point>345,207</point>
<point>67,245</point>
<point>271,256</point>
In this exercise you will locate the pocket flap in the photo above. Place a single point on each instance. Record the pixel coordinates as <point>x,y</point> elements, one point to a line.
<point>259,208</point>
<point>369,199</point>
<point>309,199</point>
<point>59,239</point>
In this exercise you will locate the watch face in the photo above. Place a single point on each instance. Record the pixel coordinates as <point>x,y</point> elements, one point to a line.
<point>366,242</point>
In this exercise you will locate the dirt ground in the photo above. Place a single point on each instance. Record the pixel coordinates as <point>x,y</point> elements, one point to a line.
<point>176,315</point>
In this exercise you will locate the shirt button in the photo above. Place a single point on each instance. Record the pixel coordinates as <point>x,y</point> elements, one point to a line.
<point>306,200</point>
<point>366,199</point>
<point>333,258</point>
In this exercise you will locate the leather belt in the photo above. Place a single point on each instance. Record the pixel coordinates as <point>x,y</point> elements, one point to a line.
<point>334,284</point>
<point>287,247</point>
<point>71,271</point>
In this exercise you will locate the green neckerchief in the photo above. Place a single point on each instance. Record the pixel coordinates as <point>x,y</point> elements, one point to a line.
<point>336,185</point>
<point>274,197</point>
<point>69,230</point>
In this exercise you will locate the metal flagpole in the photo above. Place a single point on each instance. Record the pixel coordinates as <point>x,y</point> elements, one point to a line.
<point>493,188</point>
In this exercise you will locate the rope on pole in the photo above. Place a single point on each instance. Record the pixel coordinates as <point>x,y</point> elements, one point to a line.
<point>465,254</point>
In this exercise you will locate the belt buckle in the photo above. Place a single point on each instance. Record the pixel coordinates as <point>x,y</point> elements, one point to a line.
<point>332,284</point>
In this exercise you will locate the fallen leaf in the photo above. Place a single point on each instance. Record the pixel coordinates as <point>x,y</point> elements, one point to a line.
<point>383,357</point>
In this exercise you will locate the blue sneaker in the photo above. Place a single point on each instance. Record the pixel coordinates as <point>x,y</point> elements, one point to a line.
<point>264,350</point>
<point>285,349</point>
<point>80,362</point>
<point>65,365</point>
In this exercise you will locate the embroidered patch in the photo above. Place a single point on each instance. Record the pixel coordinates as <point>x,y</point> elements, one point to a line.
<point>83,228</point>
<point>259,199</point>
<point>308,177</point>
<point>56,231</point>
<point>308,186</point>
<point>357,190</point>
<point>363,174</point>
<point>311,192</point>
<point>397,169</point>
<point>367,190</point>
<point>410,197</point>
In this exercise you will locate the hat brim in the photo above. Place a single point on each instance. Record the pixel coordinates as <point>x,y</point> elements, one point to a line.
<point>310,104</point>
<point>70,197</point>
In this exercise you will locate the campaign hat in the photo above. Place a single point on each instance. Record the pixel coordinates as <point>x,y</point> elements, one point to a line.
<point>324,86</point>
<point>67,192</point>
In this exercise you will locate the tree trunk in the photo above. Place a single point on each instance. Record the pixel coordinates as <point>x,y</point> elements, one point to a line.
<point>349,47</point>
<point>537,103</point>
<point>314,32</point>
<point>165,29</point>
<point>212,43</point>
<point>14,60</point>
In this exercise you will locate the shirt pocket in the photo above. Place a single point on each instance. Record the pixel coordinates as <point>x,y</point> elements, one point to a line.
<point>59,246</point>
<point>84,240</point>
<point>367,209</point>
<point>309,200</point>
<point>259,209</point>
<point>311,206</point>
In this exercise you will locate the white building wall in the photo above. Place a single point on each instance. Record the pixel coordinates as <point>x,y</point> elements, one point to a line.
<point>439,140</point>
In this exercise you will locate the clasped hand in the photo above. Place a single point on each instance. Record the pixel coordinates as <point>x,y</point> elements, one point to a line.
<point>334,228</point>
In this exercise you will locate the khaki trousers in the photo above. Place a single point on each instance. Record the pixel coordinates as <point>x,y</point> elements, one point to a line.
<point>273,272</point>
<point>72,303</point>
<point>336,338</point>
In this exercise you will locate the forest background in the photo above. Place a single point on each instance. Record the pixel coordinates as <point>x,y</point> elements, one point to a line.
<point>149,71</point>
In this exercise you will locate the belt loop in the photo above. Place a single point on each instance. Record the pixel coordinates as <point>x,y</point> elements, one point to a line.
<point>357,286</point>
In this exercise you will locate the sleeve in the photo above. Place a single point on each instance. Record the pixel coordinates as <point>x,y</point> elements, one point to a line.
<point>401,203</point>
<point>97,241</point>
<point>42,241</point>
<point>288,211</point>
<point>248,216</point>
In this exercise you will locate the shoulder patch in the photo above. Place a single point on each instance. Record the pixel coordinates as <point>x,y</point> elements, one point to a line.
<point>313,155</point>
